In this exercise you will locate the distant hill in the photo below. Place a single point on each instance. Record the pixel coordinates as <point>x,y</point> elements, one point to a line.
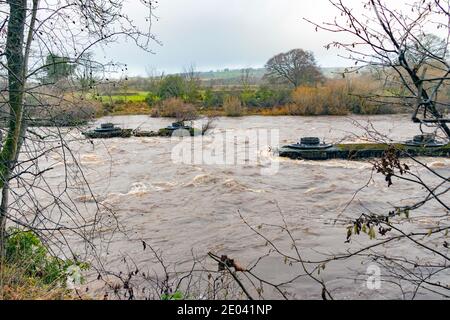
<point>227,74</point>
<point>226,77</point>
<point>256,74</point>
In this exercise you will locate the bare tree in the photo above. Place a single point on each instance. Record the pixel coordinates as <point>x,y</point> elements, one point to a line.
<point>34,29</point>
<point>153,78</point>
<point>191,83</point>
<point>246,78</point>
<point>295,67</point>
<point>396,40</point>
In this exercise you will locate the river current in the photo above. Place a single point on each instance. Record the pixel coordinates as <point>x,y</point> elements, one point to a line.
<point>184,208</point>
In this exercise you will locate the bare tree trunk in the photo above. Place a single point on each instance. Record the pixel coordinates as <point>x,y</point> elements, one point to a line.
<point>3,212</point>
<point>16,85</point>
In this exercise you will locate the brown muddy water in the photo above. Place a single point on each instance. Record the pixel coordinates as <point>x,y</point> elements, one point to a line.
<point>182,208</point>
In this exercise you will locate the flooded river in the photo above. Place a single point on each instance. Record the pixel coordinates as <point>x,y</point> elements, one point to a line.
<point>184,208</point>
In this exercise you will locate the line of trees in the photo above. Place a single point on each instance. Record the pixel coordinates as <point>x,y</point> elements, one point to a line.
<point>293,85</point>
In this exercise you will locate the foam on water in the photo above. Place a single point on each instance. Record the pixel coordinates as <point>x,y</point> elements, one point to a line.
<point>91,159</point>
<point>182,206</point>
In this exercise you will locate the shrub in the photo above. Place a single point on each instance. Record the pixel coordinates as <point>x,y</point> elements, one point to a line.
<point>263,97</point>
<point>178,295</point>
<point>332,99</point>
<point>266,97</point>
<point>212,98</point>
<point>152,99</point>
<point>191,91</point>
<point>64,115</point>
<point>74,115</point>
<point>107,108</point>
<point>339,97</point>
<point>25,251</point>
<point>248,98</point>
<point>171,87</point>
<point>175,108</point>
<point>232,107</point>
<point>362,88</point>
<point>307,101</point>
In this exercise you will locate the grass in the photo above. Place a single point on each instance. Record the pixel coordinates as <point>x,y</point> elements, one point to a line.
<point>16,284</point>
<point>133,97</point>
<point>29,271</point>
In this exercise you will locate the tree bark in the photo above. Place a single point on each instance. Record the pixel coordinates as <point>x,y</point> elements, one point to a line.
<point>16,84</point>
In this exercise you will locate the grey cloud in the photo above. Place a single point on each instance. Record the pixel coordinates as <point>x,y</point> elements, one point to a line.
<point>216,34</point>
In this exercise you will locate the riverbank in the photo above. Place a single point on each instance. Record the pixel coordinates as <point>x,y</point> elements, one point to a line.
<point>17,285</point>
<point>142,108</point>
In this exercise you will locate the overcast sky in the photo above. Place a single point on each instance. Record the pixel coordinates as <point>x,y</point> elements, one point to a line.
<point>218,34</point>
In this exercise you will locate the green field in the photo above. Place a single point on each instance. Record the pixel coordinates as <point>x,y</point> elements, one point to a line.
<point>123,97</point>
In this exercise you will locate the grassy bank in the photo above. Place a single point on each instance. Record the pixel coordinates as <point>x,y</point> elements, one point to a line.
<point>16,284</point>
<point>28,271</point>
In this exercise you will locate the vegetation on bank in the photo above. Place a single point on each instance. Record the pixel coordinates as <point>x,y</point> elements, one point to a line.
<point>293,84</point>
<point>29,271</point>
<point>330,97</point>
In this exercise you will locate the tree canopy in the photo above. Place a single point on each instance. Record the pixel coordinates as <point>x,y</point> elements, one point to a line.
<point>295,67</point>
